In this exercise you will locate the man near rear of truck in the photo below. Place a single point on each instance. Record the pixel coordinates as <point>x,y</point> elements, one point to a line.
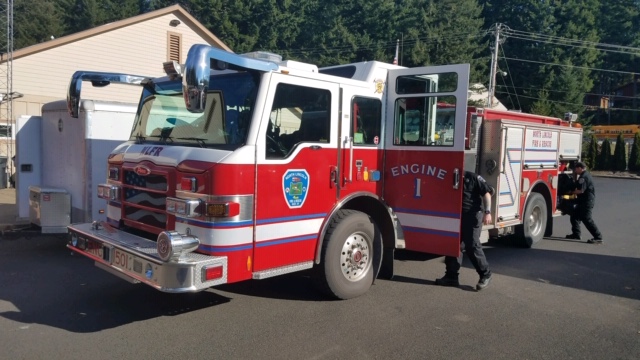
<point>586,194</point>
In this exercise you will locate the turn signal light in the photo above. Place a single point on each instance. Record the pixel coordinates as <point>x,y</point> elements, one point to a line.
<point>223,209</point>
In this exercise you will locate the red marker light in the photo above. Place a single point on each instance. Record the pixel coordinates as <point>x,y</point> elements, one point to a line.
<point>188,184</point>
<point>212,273</point>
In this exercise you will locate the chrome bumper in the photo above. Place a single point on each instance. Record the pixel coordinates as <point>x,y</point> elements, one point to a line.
<point>136,259</point>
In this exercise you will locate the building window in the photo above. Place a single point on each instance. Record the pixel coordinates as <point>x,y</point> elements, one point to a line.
<point>5,131</point>
<point>174,47</point>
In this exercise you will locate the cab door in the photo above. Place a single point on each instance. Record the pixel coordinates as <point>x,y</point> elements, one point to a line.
<point>297,156</point>
<point>424,154</point>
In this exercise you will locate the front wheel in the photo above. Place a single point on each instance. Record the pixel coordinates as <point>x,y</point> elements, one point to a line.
<point>534,221</point>
<point>346,270</point>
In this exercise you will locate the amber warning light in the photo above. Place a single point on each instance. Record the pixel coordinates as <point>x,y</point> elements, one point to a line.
<point>223,209</point>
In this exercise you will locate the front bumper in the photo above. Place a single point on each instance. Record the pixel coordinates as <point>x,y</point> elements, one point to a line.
<point>136,259</point>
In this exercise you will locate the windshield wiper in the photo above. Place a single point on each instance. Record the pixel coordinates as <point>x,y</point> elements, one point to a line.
<point>164,134</point>
<point>162,138</point>
<point>140,138</point>
<point>200,141</point>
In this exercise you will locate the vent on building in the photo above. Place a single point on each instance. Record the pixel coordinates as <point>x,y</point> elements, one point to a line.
<point>174,44</point>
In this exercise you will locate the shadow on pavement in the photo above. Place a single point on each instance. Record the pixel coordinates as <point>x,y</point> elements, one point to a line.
<point>599,273</point>
<point>48,286</point>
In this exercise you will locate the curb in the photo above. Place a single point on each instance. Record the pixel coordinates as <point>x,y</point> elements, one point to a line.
<point>616,177</point>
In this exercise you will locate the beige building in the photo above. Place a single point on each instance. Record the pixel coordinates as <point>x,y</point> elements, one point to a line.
<point>138,45</point>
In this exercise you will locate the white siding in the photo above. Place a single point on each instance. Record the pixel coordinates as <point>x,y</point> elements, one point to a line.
<point>139,48</point>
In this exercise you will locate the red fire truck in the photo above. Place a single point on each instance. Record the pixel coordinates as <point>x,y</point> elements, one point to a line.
<point>246,167</point>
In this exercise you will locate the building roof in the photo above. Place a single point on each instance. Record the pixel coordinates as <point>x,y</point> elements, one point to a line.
<point>177,10</point>
<point>478,92</point>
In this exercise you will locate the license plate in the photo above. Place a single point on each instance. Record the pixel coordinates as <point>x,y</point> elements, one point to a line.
<point>122,260</point>
<point>98,250</point>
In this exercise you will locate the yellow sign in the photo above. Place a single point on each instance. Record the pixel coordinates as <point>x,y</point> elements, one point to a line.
<point>379,86</point>
<point>612,131</point>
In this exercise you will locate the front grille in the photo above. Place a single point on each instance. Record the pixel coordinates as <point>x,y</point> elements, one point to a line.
<point>145,199</point>
<point>152,181</point>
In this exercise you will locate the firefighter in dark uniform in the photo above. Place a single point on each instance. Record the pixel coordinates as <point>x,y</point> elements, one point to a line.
<point>476,210</point>
<point>586,200</point>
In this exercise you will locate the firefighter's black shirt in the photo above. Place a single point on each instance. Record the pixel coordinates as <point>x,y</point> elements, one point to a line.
<point>475,187</point>
<point>585,183</point>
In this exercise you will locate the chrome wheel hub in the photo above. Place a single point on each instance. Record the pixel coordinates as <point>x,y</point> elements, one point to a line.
<point>355,258</point>
<point>535,221</point>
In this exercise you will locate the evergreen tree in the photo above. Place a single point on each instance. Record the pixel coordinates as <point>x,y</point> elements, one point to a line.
<point>634,156</point>
<point>604,161</point>
<point>443,32</point>
<point>619,155</point>
<point>618,24</point>
<point>542,106</point>
<point>592,153</point>
<point>35,22</point>
<point>549,63</point>
<point>81,15</point>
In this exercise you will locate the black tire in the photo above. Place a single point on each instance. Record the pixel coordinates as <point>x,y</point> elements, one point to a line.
<point>346,270</point>
<point>534,221</point>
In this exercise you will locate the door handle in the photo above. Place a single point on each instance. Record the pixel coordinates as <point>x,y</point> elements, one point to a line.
<point>348,141</point>
<point>333,176</point>
<point>456,178</point>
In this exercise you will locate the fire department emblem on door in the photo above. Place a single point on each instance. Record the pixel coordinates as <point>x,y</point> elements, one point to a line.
<point>295,186</point>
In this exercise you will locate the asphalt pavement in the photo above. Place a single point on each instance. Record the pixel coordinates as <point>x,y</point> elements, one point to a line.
<point>562,299</point>
<point>9,220</point>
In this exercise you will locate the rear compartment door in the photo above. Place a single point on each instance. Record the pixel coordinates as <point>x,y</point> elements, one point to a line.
<point>511,156</point>
<point>424,154</point>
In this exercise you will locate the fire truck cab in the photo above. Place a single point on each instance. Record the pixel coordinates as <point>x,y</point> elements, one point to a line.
<point>246,167</point>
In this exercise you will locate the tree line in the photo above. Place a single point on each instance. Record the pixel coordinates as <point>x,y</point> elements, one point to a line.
<point>601,157</point>
<point>554,54</point>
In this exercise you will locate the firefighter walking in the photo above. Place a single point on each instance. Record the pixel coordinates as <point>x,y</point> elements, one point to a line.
<point>476,205</point>
<point>586,194</point>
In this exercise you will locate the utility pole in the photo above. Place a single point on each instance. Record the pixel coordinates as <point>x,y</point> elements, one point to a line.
<point>6,86</point>
<point>494,66</point>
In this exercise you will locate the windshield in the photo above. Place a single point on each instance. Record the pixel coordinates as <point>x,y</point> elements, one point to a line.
<point>163,117</point>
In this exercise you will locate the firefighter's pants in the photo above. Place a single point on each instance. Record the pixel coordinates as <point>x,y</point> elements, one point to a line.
<point>582,213</point>
<point>470,243</point>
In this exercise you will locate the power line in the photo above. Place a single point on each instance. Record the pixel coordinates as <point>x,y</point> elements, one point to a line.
<point>383,45</point>
<point>524,35</point>
<point>562,91</point>
<point>568,103</point>
<point>572,66</point>
<point>511,78</point>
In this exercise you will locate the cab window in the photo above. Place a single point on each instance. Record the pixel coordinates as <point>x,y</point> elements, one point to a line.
<point>421,118</point>
<point>366,121</point>
<point>299,114</point>
<point>425,121</point>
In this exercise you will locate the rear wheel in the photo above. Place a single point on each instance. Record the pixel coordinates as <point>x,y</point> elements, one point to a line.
<point>346,270</point>
<point>534,221</point>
